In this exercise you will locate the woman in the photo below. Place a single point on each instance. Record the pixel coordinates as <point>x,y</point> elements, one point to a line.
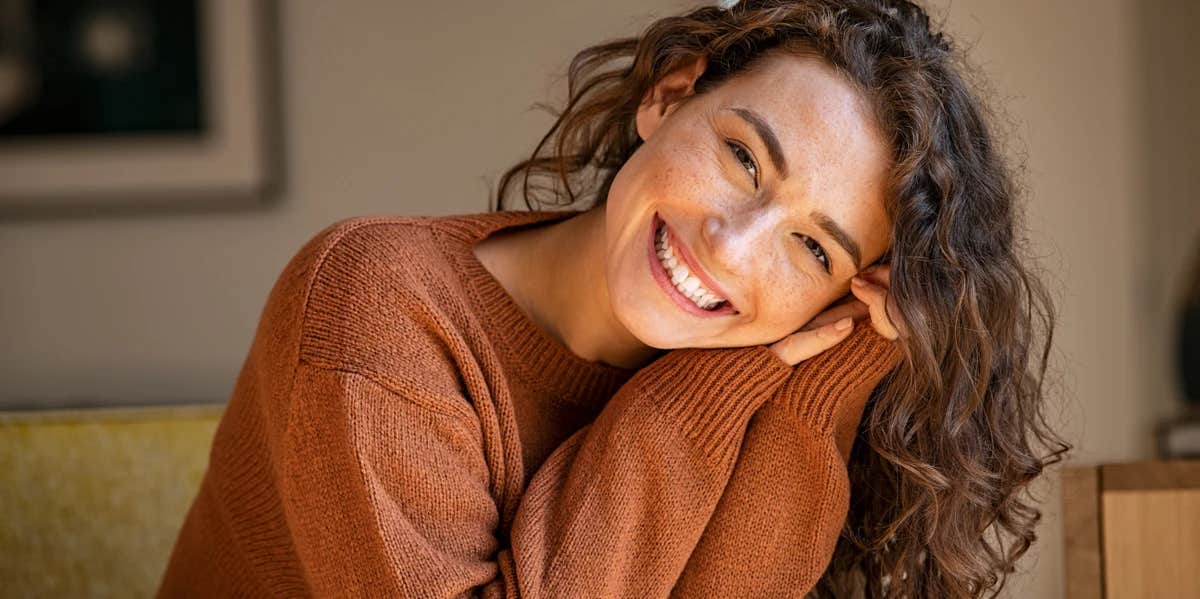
<point>659,394</point>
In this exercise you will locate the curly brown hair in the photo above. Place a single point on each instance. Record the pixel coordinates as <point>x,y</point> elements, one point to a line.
<point>952,438</point>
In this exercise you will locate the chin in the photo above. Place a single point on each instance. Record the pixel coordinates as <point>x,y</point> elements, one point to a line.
<point>657,330</point>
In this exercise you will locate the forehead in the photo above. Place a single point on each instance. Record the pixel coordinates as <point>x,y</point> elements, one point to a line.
<point>817,114</point>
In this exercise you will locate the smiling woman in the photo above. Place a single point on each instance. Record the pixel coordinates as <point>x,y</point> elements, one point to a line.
<point>619,401</point>
<point>787,146</point>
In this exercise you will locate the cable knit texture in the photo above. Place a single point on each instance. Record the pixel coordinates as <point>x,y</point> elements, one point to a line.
<point>401,428</point>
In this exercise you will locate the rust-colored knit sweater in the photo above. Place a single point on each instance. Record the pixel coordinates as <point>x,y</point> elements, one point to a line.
<point>401,428</point>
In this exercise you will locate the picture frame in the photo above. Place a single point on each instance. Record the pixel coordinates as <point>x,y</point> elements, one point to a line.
<point>233,161</point>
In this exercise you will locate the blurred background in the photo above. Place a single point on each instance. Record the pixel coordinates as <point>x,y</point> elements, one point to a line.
<point>137,248</point>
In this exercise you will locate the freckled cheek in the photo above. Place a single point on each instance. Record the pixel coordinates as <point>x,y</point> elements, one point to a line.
<point>684,174</point>
<point>789,308</point>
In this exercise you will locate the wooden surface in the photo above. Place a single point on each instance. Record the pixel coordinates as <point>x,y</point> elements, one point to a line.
<point>1132,530</point>
<point>1081,534</point>
<point>1172,474</point>
<point>1152,543</point>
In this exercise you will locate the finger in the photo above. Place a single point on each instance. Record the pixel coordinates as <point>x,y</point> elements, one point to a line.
<point>875,296</point>
<point>880,274</point>
<point>889,305</point>
<point>854,308</point>
<point>802,345</point>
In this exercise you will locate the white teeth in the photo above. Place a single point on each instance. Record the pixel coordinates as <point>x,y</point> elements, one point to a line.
<point>681,277</point>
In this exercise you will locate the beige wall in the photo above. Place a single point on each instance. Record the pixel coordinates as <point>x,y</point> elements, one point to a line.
<point>1168,205</point>
<point>409,108</point>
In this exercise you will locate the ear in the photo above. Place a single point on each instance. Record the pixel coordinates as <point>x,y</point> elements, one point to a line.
<point>664,96</point>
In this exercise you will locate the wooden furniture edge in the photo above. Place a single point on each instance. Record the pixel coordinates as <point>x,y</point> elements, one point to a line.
<point>1140,476</point>
<point>1083,547</point>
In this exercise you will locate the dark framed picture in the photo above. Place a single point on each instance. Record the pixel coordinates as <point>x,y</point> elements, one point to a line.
<point>136,103</point>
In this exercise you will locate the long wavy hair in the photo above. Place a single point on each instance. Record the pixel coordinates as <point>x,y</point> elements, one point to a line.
<point>952,438</point>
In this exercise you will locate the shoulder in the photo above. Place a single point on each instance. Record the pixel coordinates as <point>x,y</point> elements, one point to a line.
<point>349,260</point>
<point>381,294</point>
<point>371,233</point>
<point>334,242</point>
<point>380,298</point>
<point>366,241</point>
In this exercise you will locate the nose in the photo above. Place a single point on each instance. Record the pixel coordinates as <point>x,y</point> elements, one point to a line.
<point>738,241</point>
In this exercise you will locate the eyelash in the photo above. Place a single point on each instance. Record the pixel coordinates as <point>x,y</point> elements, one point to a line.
<point>816,248</point>
<point>735,147</point>
<point>817,251</point>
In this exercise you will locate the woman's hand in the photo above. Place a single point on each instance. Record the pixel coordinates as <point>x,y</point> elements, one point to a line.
<point>822,332</point>
<point>871,287</point>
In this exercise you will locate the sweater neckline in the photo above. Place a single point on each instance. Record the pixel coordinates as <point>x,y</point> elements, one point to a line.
<point>543,360</point>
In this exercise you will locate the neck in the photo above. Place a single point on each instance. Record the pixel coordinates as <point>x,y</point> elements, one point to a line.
<point>568,293</point>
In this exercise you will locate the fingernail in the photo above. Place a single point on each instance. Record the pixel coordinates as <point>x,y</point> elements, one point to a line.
<point>843,324</point>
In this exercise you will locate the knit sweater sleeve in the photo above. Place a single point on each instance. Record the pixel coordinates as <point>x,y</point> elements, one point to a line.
<point>616,510</point>
<point>387,490</point>
<point>775,527</point>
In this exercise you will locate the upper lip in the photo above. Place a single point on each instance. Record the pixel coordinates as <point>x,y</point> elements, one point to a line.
<point>683,253</point>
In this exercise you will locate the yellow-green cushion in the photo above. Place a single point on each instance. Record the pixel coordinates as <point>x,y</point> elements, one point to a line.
<point>91,500</point>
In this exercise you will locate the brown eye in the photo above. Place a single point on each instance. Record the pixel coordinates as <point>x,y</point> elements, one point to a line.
<point>818,252</point>
<point>738,152</point>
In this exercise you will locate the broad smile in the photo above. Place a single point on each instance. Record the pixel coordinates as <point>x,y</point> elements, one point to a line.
<point>677,272</point>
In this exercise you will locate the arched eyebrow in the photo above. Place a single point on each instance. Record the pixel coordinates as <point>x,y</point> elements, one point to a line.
<point>767,135</point>
<point>839,235</point>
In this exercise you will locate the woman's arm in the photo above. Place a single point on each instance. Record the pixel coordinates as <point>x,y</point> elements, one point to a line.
<point>776,525</point>
<point>616,510</point>
<point>386,495</point>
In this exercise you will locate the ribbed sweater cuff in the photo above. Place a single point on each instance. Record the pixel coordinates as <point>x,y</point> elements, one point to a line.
<point>712,393</point>
<point>819,386</point>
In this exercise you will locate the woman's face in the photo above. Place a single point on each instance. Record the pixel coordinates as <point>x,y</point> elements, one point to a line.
<point>762,183</point>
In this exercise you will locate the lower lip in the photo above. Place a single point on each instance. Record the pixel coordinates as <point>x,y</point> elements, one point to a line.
<point>664,280</point>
